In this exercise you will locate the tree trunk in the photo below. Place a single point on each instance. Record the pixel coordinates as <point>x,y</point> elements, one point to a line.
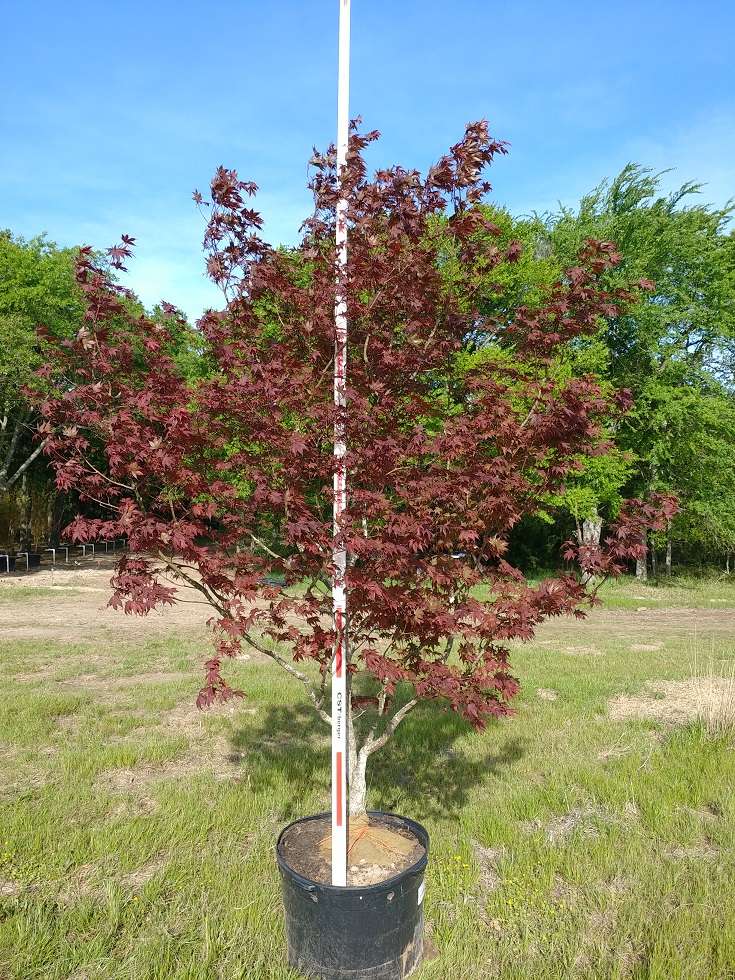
<point>359,755</point>
<point>592,530</point>
<point>654,562</point>
<point>357,779</point>
<point>589,534</point>
<point>58,519</point>
<point>11,432</point>
<point>24,506</point>
<point>641,568</point>
<point>12,521</point>
<point>668,549</point>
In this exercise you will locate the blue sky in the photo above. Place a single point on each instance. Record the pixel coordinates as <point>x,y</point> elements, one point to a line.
<point>111,114</point>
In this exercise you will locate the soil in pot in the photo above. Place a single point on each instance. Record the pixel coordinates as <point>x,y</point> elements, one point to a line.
<point>378,849</point>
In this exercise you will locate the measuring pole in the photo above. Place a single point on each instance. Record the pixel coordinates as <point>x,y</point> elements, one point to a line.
<point>340,707</point>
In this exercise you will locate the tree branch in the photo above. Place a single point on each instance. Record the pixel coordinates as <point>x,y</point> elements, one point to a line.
<point>315,699</point>
<point>6,484</point>
<point>372,744</point>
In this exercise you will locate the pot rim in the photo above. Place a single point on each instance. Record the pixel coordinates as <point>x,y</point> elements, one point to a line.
<point>309,884</point>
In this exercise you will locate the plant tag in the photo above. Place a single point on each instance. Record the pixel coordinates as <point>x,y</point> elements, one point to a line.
<point>422,888</point>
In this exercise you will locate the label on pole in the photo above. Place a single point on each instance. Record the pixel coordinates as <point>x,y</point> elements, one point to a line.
<point>340,707</point>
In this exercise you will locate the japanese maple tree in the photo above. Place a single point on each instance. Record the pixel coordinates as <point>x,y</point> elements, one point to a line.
<point>224,482</point>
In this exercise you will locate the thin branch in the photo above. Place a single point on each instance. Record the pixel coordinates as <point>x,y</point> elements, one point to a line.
<point>373,744</point>
<point>17,429</point>
<point>448,652</point>
<point>382,697</point>
<point>21,469</point>
<point>261,544</point>
<point>114,483</point>
<point>209,594</point>
<point>323,689</point>
<point>316,700</point>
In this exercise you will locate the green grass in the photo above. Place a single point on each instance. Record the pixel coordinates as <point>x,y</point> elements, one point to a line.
<point>680,590</point>
<point>15,592</point>
<point>137,835</point>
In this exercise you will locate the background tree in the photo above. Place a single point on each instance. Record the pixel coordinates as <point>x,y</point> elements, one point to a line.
<point>593,489</point>
<point>36,286</point>
<point>675,350</point>
<point>445,455</point>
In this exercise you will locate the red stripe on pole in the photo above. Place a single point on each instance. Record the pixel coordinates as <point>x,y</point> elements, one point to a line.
<point>339,789</point>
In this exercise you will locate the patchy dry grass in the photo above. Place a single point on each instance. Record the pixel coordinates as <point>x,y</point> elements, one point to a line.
<point>589,837</point>
<point>707,699</point>
<point>715,697</point>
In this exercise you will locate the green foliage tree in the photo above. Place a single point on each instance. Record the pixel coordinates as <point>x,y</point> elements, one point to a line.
<point>593,487</point>
<point>36,286</point>
<point>674,351</point>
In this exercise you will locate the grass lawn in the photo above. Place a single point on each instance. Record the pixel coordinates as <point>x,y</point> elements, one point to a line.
<point>591,836</point>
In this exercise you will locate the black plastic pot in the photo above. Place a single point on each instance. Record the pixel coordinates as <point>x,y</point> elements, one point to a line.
<point>356,933</point>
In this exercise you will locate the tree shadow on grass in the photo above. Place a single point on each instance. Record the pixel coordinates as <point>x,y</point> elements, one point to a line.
<point>423,769</point>
<point>284,745</point>
<point>420,770</point>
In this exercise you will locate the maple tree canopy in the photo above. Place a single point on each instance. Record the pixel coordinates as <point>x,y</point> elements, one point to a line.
<point>223,480</point>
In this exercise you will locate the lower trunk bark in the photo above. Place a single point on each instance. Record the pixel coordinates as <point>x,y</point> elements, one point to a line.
<point>641,567</point>
<point>589,534</point>
<point>24,505</point>
<point>356,779</point>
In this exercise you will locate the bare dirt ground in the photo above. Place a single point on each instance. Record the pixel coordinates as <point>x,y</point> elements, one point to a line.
<point>81,610</point>
<point>88,580</point>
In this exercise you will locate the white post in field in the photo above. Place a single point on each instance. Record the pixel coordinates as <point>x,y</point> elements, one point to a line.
<point>340,707</point>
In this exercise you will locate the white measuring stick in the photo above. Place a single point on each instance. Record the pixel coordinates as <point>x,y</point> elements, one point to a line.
<point>340,707</point>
